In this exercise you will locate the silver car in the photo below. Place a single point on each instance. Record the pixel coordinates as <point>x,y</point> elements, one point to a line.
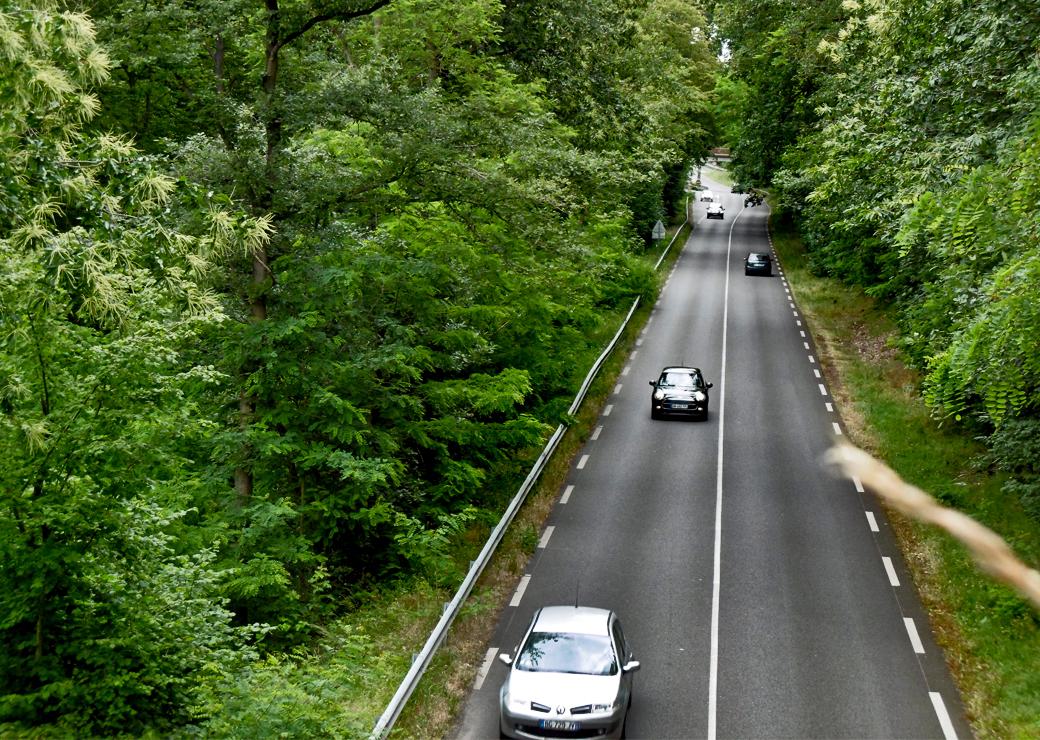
<point>571,677</point>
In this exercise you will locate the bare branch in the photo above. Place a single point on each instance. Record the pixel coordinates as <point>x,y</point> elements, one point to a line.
<point>992,554</point>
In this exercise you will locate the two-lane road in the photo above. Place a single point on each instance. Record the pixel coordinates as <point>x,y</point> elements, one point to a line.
<point>764,597</point>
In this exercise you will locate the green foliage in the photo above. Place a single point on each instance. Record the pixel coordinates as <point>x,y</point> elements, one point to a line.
<point>315,335</point>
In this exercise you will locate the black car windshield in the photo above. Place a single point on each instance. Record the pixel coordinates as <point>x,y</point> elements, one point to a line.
<point>566,652</point>
<point>680,380</point>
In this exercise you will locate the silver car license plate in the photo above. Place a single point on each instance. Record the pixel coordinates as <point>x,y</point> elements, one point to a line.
<point>559,724</point>
<point>680,405</point>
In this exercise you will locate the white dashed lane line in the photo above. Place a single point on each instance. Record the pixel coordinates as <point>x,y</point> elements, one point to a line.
<point>830,407</point>
<point>617,389</point>
<point>582,462</point>
<point>520,591</point>
<point>858,483</point>
<point>944,717</point>
<point>823,389</point>
<point>545,537</point>
<point>566,494</point>
<point>607,409</point>
<point>596,433</point>
<point>872,522</point>
<point>891,570</point>
<point>489,659</point>
<point>627,370</point>
<point>915,639</point>
<point>812,360</point>
<point>817,373</point>
<point>837,429</point>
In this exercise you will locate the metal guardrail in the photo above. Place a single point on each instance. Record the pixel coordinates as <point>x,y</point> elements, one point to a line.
<point>452,608</point>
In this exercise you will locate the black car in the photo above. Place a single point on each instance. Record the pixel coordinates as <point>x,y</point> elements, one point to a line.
<point>680,391</point>
<point>758,263</point>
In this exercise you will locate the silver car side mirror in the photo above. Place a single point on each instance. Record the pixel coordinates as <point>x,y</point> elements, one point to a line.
<point>507,659</point>
<point>630,666</point>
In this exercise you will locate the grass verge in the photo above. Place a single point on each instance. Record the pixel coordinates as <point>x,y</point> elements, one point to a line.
<point>990,636</point>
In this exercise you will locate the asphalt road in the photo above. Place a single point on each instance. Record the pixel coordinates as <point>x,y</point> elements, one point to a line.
<point>764,597</point>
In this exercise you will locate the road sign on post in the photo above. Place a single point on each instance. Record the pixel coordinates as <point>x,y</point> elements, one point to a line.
<point>658,232</point>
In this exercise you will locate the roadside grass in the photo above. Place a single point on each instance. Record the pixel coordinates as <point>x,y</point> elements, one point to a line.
<point>990,636</point>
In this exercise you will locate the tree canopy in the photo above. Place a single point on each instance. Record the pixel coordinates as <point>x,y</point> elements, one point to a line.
<point>292,292</point>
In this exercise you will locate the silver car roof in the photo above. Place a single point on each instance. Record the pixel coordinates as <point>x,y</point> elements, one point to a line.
<point>585,620</point>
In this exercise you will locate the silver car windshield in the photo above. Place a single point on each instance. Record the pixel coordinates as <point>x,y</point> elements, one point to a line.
<point>564,652</point>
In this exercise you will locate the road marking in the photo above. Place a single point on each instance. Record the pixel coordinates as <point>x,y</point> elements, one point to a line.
<point>802,332</point>
<point>805,345</point>
<point>795,313</point>
<point>799,322</point>
<point>566,494</point>
<point>581,463</point>
<point>790,304</point>
<point>817,373</point>
<point>626,370</point>
<point>617,389</point>
<point>812,360</point>
<point>823,389</point>
<point>607,409</point>
<point>639,342</point>
<point>520,591</point>
<point>545,537</point>
<point>649,321</point>
<point>634,353</point>
<point>872,522</point>
<point>830,406</point>
<point>915,639</point>
<point>837,429</point>
<point>891,570</point>
<point>858,483</point>
<point>595,434</point>
<point>944,717</point>
<point>489,660</point>
<point>716,579</point>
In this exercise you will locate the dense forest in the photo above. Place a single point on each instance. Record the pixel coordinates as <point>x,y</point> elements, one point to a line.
<point>290,292</point>
<point>901,138</point>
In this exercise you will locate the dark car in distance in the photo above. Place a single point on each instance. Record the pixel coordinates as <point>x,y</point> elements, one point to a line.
<point>679,391</point>
<point>716,211</point>
<point>758,263</point>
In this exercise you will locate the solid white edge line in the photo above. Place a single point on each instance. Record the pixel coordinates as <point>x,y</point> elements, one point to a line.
<point>515,601</point>
<point>944,716</point>
<point>545,537</point>
<point>915,639</point>
<point>716,579</point>
<point>566,494</point>
<point>582,462</point>
<point>891,570</point>
<point>872,521</point>
<point>489,660</point>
